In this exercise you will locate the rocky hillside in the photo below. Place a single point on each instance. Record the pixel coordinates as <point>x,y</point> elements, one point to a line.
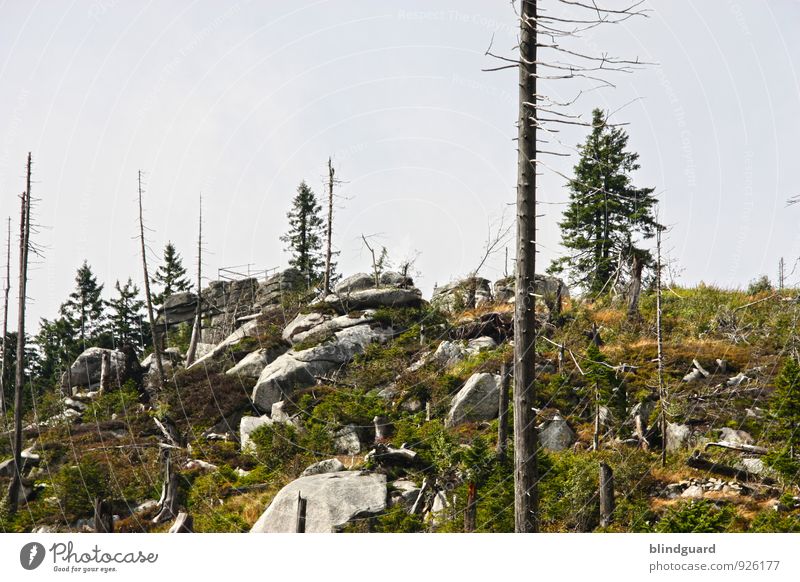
<point>378,410</point>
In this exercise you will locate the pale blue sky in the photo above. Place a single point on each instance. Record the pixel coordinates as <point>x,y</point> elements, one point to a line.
<point>243,100</point>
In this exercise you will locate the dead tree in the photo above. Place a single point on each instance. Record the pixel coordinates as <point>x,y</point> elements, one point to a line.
<point>105,372</point>
<point>168,503</point>
<point>606,495</point>
<point>470,513</point>
<point>542,32</point>
<point>662,390</point>
<point>635,287</point>
<point>378,262</point>
<point>326,286</point>
<point>148,297</point>
<point>103,518</point>
<point>502,418</point>
<point>197,328</point>
<point>596,435</point>
<point>19,379</point>
<point>6,290</point>
<point>526,500</point>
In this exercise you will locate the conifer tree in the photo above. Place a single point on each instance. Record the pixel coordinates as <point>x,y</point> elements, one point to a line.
<point>83,311</point>
<point>606,212</point>
<point>785,409</point>
<point>170,275</point>
<point>304,238</point>
<point>126,313</point>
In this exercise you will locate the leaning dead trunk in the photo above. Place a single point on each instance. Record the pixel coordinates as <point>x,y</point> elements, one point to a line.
<point>197,328</point>
<point>606,495</point>
<point>169,489</point>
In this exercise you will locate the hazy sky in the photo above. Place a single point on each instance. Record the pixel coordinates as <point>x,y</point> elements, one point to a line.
<point>243,100</point>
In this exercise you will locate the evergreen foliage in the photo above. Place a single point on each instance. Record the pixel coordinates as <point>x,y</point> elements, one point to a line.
<point>606,212</point>
<point>126,314</point>
<point>83,311</point>
<point>304,237</point>
<point>170,275</point>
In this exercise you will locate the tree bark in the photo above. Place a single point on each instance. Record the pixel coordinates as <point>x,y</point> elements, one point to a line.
<point>635,286</point>
<point>197,328</point>
<point>103,518</point>
<point>105,372</point>
<point>24,247</point>
<point>471,510</point>
<point>329,232</point>
<point>148,296</point>
<point>606,495</point>
<point>662,390</point>
<point>6,291</point>
<point>169,489</point>
<point>502,418</point>
<point>525,469</point>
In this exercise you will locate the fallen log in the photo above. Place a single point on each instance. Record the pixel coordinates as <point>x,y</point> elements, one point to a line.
<point>738,447</point>
<point>696,461</point>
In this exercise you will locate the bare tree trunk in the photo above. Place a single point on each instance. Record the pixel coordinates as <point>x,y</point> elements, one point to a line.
<point>105,372</point>
<point>502,418</point>
<point>471,510</point>
<point>169,489</point>
<point>375,270</point>
<point>606,495</point>
<point>148,297</point>
<point>197,328</point>
<point>6,291</point>
<point>525,469</point>
<point>662,390</point>
<point>103,518</point>
<point>300,524</point>
<point>635,286</point>
<point>596,436</point>
<point>326,288</point>
<point>24,246</point>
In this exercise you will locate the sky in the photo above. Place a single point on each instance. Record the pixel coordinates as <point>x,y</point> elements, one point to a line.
<point>240,101</point>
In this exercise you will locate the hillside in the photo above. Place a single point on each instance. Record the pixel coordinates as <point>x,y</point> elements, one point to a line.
<point>380,408</point>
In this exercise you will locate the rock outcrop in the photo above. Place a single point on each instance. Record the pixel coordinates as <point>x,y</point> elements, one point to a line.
<point>332,500</point>
<point>477,400</point>
<point>85,371</point>
<point>296,369</point>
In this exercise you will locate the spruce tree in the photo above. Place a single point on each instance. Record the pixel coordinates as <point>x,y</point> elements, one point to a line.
<point>83,311</point>
<point>170,275</point>
<point>785,409</point>
<point>606,212</point>
<point>126,313</point>
<point>304,238</point>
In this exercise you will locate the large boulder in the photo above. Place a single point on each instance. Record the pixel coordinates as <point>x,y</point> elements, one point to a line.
<point>556,434</point>
<point>477,400</point>
<point>679,436</point>
<point>297,369</point>
<point>347,440</point>
<point>307,326</point>
<point>375,299</point>
<point>177,308</point>
<point>545,286</point>
<point>357,282</point>
<point>736,437</point>
<point>254,363</point>
<point>332,500</point>
<point>85,371</point>
<point>450,353</point>
<point>248,329</point>
<point>326,466</point>
<point>277,286</point>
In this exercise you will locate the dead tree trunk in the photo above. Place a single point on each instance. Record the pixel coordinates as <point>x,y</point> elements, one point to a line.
<point>470,513</point>
<point>635,288</point>
<point>197,328</point>
<point>103,518</point>
<point>662,390</point>
<point>300,524</point>
<point>6,291</point>
<point>502,418</point>
<point>375,267</point>
<point>596,436</point>
<point>525,469</point>
<point>105,372</point>
<point>148,297</point>
<point>326,288</point>
<point>184,523</point>
<point>606,495</point>
<point>19,379</point>
<point>169,489</point>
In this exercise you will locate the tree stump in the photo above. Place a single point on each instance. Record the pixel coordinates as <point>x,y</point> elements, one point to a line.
<point>103,518</point>
<point>606,495</point>
<point>184,523</point>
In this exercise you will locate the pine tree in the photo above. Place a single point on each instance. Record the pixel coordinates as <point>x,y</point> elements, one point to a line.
<point>170,276</point>
<point>126,313</point>
<point>785,409</point>
<point>83,311</point>
<point>606,212</point>
<point>304,238</point>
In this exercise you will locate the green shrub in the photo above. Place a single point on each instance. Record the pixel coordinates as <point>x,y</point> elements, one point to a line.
<point>771,521</point>
<point>114,402</point>
<point>275,445</point>
<point>760,285</point>
<point>77,486</point>
<point>696,516</point>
